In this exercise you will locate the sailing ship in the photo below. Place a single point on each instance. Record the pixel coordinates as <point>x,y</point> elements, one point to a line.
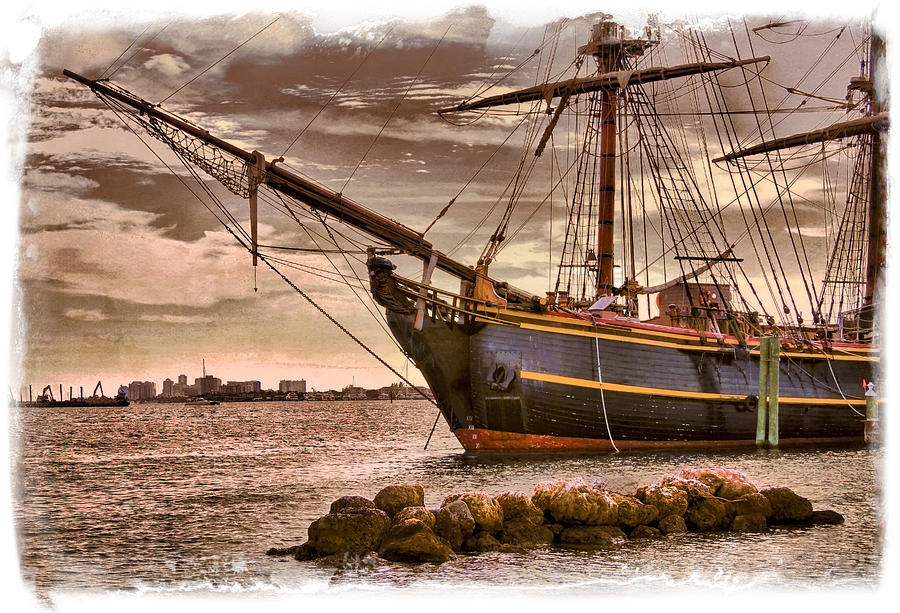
<point>591,365</point>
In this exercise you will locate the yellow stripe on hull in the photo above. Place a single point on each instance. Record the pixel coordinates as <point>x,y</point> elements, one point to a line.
<point>686,347</point>
<point>655,391</point>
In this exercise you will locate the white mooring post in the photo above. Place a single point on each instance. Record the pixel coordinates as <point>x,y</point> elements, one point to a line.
<point>870,433</point>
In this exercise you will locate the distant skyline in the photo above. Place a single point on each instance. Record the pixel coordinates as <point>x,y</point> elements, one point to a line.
<point>122,275</point>
<point>88,386</point>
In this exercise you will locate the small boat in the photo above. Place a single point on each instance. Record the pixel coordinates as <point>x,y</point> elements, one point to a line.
<point>201,402</point>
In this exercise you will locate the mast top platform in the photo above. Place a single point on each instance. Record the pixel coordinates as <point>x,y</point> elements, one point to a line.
<point>609,45</point>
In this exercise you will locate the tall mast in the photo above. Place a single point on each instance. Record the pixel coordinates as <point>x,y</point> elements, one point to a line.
<point>874,123</point>
<point>242,171</point>
<point>610,49</point>
<point>877,214</point>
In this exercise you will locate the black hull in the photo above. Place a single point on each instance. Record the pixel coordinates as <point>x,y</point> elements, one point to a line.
<point>535,386</point>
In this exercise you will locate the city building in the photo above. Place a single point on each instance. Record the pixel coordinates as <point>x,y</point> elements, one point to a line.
<point>141,390</point>
<point>168,385</point>
<point>351,392</point>
<point>241,387</point>
<point>292,386</point>
<point>208,384</point>
<point>186,390</point>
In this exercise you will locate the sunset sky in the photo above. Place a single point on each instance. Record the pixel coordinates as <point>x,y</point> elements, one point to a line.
<point>121,275</point>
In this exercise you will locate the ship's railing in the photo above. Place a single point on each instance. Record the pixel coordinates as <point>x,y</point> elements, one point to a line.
<point>446,304</point>
<point>856,324</point>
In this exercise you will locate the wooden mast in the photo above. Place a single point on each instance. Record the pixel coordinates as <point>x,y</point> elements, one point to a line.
<point>875,123</point>
<point>844,129</point>
<point>610,80</point>
<point>610,49</point>
<point>877,213</point>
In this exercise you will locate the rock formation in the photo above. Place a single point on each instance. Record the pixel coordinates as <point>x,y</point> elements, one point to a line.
<point>397,525</point>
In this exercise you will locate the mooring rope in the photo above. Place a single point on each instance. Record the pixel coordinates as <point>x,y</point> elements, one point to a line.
<point>840,391</point>
<point>600,381</point>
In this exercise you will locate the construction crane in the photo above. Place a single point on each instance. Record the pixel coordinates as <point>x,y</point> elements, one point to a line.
<point>97,387</point>
<point>46,394</point>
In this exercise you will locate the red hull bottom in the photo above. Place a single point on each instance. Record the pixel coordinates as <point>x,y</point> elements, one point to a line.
<point>480,440</point>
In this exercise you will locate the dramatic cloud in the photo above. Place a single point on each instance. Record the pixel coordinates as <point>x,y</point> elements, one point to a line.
<point>168,64</point>
<point>114,246</point>
<point>86,314</point>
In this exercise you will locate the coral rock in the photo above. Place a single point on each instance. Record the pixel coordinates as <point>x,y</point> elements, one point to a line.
<point>394,498</point>
<point>645,532</point>
<point>353,530</point>
<point>480,542</point>
<point>710,515</point>
<point>413,541</point>
<point>582,504</point>
<point>420,513</point>
<point>518,504</point>
<point>750,504</point>
<point>725,483</point>
<point>668,500</point>
<point>826,517</point>
<point>710,476</point>
<point>751,522</point>
<point>591,535</point>
<point>696,490</point>
<point>736,487</point>
<point>524,533</point>
<point>487,512</point>
<point>672,524</point>
<point>546,491</point>
<point>305,552</point>
<point>633,512</point>
<point>454,522</point>
<point>787,506</point>
<point>351,502</point>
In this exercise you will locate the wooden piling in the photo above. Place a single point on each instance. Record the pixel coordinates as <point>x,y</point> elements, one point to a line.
<point>762,404</point>
<point>774,363</point>
<point>767,405</point>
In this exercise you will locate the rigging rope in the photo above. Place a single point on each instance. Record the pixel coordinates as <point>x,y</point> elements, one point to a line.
<point>808,284</point>
<point>124,51</point>
<point>220,60</point>
<point>396,106</point>
<point>264,258</point>
<point>472,178</point>
<point>337,91</point>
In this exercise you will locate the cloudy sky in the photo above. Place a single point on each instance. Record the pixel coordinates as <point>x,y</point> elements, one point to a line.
<point>121,274</point>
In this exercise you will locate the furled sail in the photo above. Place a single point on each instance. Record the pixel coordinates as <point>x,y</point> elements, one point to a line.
<point>606,81</point>
<point>844,129</point>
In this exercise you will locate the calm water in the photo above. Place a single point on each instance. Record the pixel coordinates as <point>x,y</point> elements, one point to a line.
<point>164,498</point>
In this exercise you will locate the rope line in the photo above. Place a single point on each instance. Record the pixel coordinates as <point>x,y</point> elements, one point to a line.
<point>220,60</point>
<point>600,381</point>
<point>336,92</point>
